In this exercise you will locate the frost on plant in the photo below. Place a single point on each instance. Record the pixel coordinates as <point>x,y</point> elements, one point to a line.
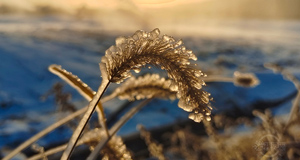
<point>148,86</point>
<point>245,79</point>
<point>134,52</point>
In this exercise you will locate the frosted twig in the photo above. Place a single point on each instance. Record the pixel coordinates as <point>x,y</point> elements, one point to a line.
<point>295,108</point>
<point>49,152</point>
<point>155,149</point>
<point>81,87</point>
<point>239,79</point>
<point>91,107</point>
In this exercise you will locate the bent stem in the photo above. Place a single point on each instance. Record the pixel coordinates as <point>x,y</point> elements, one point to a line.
<point>116,127</point>
<point>91,107</point>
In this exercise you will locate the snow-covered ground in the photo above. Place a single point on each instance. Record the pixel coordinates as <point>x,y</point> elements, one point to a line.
<point>29,45</point>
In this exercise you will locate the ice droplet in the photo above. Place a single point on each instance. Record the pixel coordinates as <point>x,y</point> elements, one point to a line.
<point>120,40</point>
<point>178,94</point>
<point>197,73</point>
<point>184,106</point>
<point>208,118</point>
<point>198,85</point>
<point>196,117</point>
<point>181,104</point>
<point>107,52</point>
<point>166,38</point>
<point>183,48</point>
<point>208,113</point>
<point>193,57</point>
<point>205,99</point>
<point>137,70</point>
<point>174,87</point>
<point>178,43</point>
<point>155,33</point>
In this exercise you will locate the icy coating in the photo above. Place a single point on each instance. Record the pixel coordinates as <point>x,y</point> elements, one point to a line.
<point>148,86</point>
<point>134,52</point>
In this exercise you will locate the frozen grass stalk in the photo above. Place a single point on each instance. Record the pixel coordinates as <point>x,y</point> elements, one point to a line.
<point>91,107</point>
<point>133,53</point>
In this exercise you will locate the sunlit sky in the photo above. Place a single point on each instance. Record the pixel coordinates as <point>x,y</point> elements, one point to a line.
<point>162,3</point>
<point>161,9</point>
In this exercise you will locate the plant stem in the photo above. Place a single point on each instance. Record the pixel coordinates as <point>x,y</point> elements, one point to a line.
<point>116,127</point>
<point>91,107</point>
<point>218,79</point>
<point>51,128</point>
<point>100,145</point>
<point>43,133</point>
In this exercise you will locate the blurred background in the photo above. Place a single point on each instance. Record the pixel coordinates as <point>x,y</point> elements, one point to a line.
<point>226,36</point>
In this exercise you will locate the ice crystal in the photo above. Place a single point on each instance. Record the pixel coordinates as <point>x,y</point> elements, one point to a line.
<point>115,149</point>
<point>134,52</point>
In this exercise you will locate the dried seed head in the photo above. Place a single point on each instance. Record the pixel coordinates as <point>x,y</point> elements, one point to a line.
<point>116,149</point>
<point>148,86</point>
<point>165,52</point>
<point>245,79</point>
